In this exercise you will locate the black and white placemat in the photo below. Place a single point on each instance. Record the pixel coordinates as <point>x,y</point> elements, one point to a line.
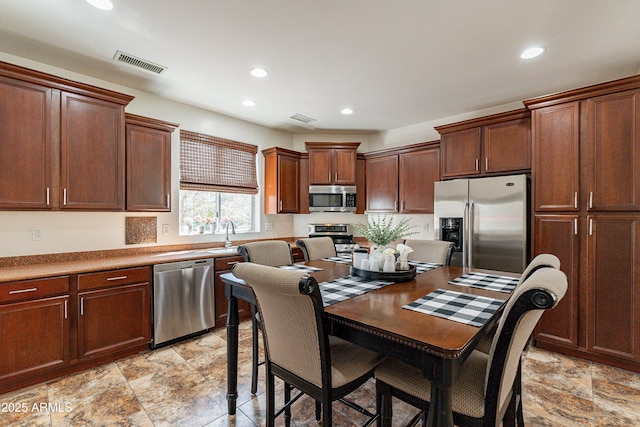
<point>422,267</point>
<point>300,267</point>
<point>348,287</point>
<point>490,282</point>
<point>342,258</point>
<point>464,308</point>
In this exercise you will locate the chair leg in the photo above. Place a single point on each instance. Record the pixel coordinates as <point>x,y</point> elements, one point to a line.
<point>318,410</point>
<point>271,405</point>
<point>254,351</point>
<point>327,413</point>
<point>287,399</point>
<point>383,404</point>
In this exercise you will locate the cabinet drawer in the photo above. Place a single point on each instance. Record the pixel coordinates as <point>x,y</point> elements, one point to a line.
<point>32,289</point>
<point>226,263</point>
<point>106,279</point>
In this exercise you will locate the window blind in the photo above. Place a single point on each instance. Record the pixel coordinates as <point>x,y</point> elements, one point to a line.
<point>208,163</point>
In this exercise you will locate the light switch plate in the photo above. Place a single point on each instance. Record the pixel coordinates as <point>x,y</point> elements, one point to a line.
<point>165,229</point>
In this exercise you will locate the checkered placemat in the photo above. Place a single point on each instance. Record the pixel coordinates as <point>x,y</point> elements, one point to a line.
<point>422,267</point>
<point>472,310</point>
<point>348,287</point>
<point>343,258</point>
<point>300,267</point>
<point>487,281</point>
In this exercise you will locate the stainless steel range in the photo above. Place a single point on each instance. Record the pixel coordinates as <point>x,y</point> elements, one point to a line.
<point>342,235</point>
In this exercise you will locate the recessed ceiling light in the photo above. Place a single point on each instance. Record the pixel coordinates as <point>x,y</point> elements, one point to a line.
<point>532,52</point>
<point>249,103</point>
<point>101,4</point>
<point>258,72</point>
<point>346,111</point>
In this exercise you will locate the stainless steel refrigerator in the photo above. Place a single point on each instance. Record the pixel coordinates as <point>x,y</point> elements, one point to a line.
<point>487,219</point>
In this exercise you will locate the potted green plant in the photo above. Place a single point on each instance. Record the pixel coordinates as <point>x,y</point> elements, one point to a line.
<point>382,231</point>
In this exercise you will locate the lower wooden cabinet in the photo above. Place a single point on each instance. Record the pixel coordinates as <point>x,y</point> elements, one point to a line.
<point>599,317</point>
<point>224,265</point>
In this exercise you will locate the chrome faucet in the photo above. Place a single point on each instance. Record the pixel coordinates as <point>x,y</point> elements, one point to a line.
<point>227,242</point>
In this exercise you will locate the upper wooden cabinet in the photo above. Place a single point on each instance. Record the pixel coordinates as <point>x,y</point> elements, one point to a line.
<point>148,154</point>
<point>62,143</point>
<point>332,163</point>
<point>401,180</point>
<point>491,145</point>
<point>281,181</point>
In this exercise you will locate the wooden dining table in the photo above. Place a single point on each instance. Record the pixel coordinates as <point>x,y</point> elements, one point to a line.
<point>377,321</point>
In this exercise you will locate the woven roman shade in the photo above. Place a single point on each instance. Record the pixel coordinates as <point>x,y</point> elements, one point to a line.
<point>208,163</point>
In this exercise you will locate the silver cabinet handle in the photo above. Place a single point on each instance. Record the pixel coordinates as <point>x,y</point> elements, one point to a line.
<point>65,309</point>
<point>232,262</point>
<point>64,197</point>
<point>169,201</point>
<point>590,199</point>
<point>477,165</point>
<point>486,163</point>
<point>82,306</point>
<point>575,226</point>
<point>47,196</point>
<point>575,200</point>
<point>329,174</point>
<point>280,204</point>
<point>109,279</point>
<point>22,291</point>
<point>590,226</point>
<point>336,177</point>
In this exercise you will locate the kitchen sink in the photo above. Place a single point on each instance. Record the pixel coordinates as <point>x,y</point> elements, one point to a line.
<point>221,250</point>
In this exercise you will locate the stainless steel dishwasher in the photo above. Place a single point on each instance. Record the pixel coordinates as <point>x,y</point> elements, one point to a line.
<point>183,299</point>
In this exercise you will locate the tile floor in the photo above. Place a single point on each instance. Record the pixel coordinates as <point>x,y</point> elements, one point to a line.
<point>185,385</point>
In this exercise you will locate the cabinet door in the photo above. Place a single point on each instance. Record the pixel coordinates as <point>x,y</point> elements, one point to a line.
<point>461,153</point>
<point>222,303</point>
<point>344,166</point>
<point>148,154</point>
<point>25,145</point>
<point>611,143</point>
<point>113,319</point>
<point>555,170</point>
<point>382,184</point>
<point>288,184</point>
<point>321,166</point>
<point>559,235</point>
<point>92,153</point>
<point>507,146</point>
<point>34,336</point>
<point>613,286</point>
<point>418,172</point>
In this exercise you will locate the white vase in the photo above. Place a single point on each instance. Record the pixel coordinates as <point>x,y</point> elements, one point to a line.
<point>389,264</point>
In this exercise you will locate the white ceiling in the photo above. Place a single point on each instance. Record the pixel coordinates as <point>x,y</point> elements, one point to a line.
<point>395,62</point>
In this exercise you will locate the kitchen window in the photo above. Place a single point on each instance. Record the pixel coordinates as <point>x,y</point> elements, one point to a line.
<point>217,184</point>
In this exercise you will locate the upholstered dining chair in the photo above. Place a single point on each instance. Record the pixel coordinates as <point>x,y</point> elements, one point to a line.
<point>268,252</point>
<point>297,346</point>
<point>483,394</point>
<point>437,251</point>
<point>317,247</point>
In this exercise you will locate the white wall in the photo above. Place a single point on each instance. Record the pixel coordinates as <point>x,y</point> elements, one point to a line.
<point>86,231</point>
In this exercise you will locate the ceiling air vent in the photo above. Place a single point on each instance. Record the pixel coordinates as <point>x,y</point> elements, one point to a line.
<point>139,62</point>
<point>301,118</point>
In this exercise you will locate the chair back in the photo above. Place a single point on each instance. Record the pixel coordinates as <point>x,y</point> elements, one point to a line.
<point>317,247</point>
<point>437,251</point>
<point>268,252</point>
<point>540,261</point>
<point>291,308</point>
<point>542,290</point>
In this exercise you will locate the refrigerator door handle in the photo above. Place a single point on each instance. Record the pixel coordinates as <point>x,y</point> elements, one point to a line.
<point>465,238</point>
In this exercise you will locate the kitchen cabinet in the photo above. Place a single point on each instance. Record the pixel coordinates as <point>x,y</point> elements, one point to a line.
<point>332,163</point>
<point>361,184</point>
<point>34,315</point>
<point>402,182</point>
<point>490,145</point>
<point>114,311</point>
<point>282,181</point>
<point>63,143</point>
<point>585,192</point>
<point>224,265</point>
<point>148,161</point>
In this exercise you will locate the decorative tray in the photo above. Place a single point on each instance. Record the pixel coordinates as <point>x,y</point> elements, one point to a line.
<point>396,276</point>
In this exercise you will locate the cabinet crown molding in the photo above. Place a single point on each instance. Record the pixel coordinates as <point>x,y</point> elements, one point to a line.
<point>521,113</point>
<point>312,145</point>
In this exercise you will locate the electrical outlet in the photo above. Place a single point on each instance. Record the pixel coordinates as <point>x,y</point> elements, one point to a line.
<point>268,226</point>
<point>36,233</point>
<point>165,229</point>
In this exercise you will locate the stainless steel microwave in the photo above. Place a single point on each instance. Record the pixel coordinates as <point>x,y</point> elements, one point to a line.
<point>332,198</point>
